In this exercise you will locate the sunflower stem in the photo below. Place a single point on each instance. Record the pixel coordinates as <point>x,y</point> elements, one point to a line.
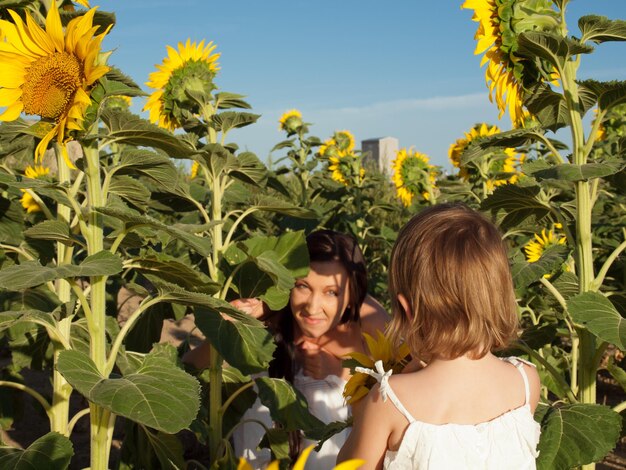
<point>61,389</point>
<point>101,419</point>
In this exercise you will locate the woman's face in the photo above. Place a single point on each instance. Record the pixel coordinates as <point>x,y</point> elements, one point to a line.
<point>318,300</point>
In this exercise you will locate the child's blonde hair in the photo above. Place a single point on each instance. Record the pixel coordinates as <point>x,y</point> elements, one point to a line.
<point>450,264</point>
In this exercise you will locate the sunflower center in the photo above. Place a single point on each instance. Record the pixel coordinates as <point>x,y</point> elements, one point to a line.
<point>50,85</point>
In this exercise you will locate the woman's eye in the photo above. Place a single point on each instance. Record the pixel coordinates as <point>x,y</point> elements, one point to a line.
<point>333,293</point>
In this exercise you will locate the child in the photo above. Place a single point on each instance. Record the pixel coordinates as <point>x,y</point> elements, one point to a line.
<point>453,304</point>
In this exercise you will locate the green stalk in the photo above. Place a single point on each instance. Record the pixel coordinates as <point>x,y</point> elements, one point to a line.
<point>101,420</point>
<point>215,368</point>
<point>61,389</point>
<point>583,250</point>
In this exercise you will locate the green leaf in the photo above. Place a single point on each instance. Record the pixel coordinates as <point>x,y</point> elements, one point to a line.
<point>288,407</point>
<point>272,265</point>
<point>126,128</point>
<point>616,372</point>
<point>51,451</point>
<point>176,273</point>
<point>279,206</point>
<point>548,107</point>
<point>168,449</point>
<point>158,395</point>
<point>574,435</point>
<point>551,47</point>
<point>518,203</point>
<point>131,190</point>
<point>232,119</point>
<point>571,172</point>
<point>600,317</point>
<point>244,343</point>
<point>249,169</point>
<point>227,100</point>
<point>613,97</point>
<point>600,29</point>
<point>31,273</point>
<point>55,230</point>
<point>133,220</point>
<point>508,139</point>
<point>153,165</point>
<point>525,273</point>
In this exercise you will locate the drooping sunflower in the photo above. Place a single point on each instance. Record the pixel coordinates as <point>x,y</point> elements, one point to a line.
<point>50,73</point>
<point>290,121</point>
<point>541,242</point>
<point>499,24</point>
<point>352,464</point>
<point>495,169</point>
<point>34,172</point>
<point>344,141</point>
<point>380,349</point>
<point>191,68</point>
<point>346,169</point>
<point>413,175</point>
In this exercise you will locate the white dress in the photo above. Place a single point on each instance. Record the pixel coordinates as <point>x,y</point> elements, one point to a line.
<point>506,442</point>
<point>326,402</point>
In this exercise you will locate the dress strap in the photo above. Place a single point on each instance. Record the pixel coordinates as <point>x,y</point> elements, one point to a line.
<point>519,365</point>
<point>382,377</point>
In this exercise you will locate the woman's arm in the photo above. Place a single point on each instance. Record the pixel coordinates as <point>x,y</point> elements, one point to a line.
<point>370,432</point>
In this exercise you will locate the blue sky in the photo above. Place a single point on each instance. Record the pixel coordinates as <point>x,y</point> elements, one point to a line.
<point>404,68</point>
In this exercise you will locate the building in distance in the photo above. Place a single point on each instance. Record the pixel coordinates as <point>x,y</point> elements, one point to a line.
<point>381,152</point>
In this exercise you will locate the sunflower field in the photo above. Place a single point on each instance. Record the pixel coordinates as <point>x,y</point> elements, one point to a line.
<point>99,205</point>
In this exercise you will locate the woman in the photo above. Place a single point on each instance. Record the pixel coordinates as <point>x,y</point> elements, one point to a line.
<point>328,312</point>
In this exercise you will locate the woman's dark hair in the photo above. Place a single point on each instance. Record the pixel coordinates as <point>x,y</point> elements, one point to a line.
<point>323,245</point>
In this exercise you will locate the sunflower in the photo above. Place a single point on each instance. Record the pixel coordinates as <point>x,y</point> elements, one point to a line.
<point>344,141</point>
<point>49,73</point>
<point>191,68</point>
<point>290,121</point>
<point>328,148</point>
<point>340,168</point>
<point>499,24</point>
<point>34,172</point>
<point>352,464</point>
<point>195,167</point>
<point>495,169</point>
<point>535,248</point>
<point>413,175</point>
<point>380,349</point>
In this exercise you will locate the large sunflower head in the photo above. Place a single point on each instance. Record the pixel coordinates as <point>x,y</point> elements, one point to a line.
<point>34,172</point>
<point>380,349</point>
<point>413,175</point>
<point>190,69</point>
<point>542,241</point>
<point>50,73</point>
<point>500,22</point>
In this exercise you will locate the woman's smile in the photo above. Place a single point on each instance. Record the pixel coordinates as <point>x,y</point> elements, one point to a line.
<point>319,300</point>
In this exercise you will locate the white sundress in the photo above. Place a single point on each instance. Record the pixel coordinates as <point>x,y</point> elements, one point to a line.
<point>326,402</point>
<point>506,442</point>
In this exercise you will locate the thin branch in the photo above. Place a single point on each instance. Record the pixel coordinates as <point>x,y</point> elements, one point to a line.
<point>553,290</point>
<point>36,395</point>
<point>145,304</point>
<point>75,418</point>
<point>597,282</point>
<point>238,392</point>
<point>236,223</point>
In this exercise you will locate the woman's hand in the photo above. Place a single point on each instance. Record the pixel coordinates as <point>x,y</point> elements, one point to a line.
<point>253,307</point>
<point>316,361</point>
